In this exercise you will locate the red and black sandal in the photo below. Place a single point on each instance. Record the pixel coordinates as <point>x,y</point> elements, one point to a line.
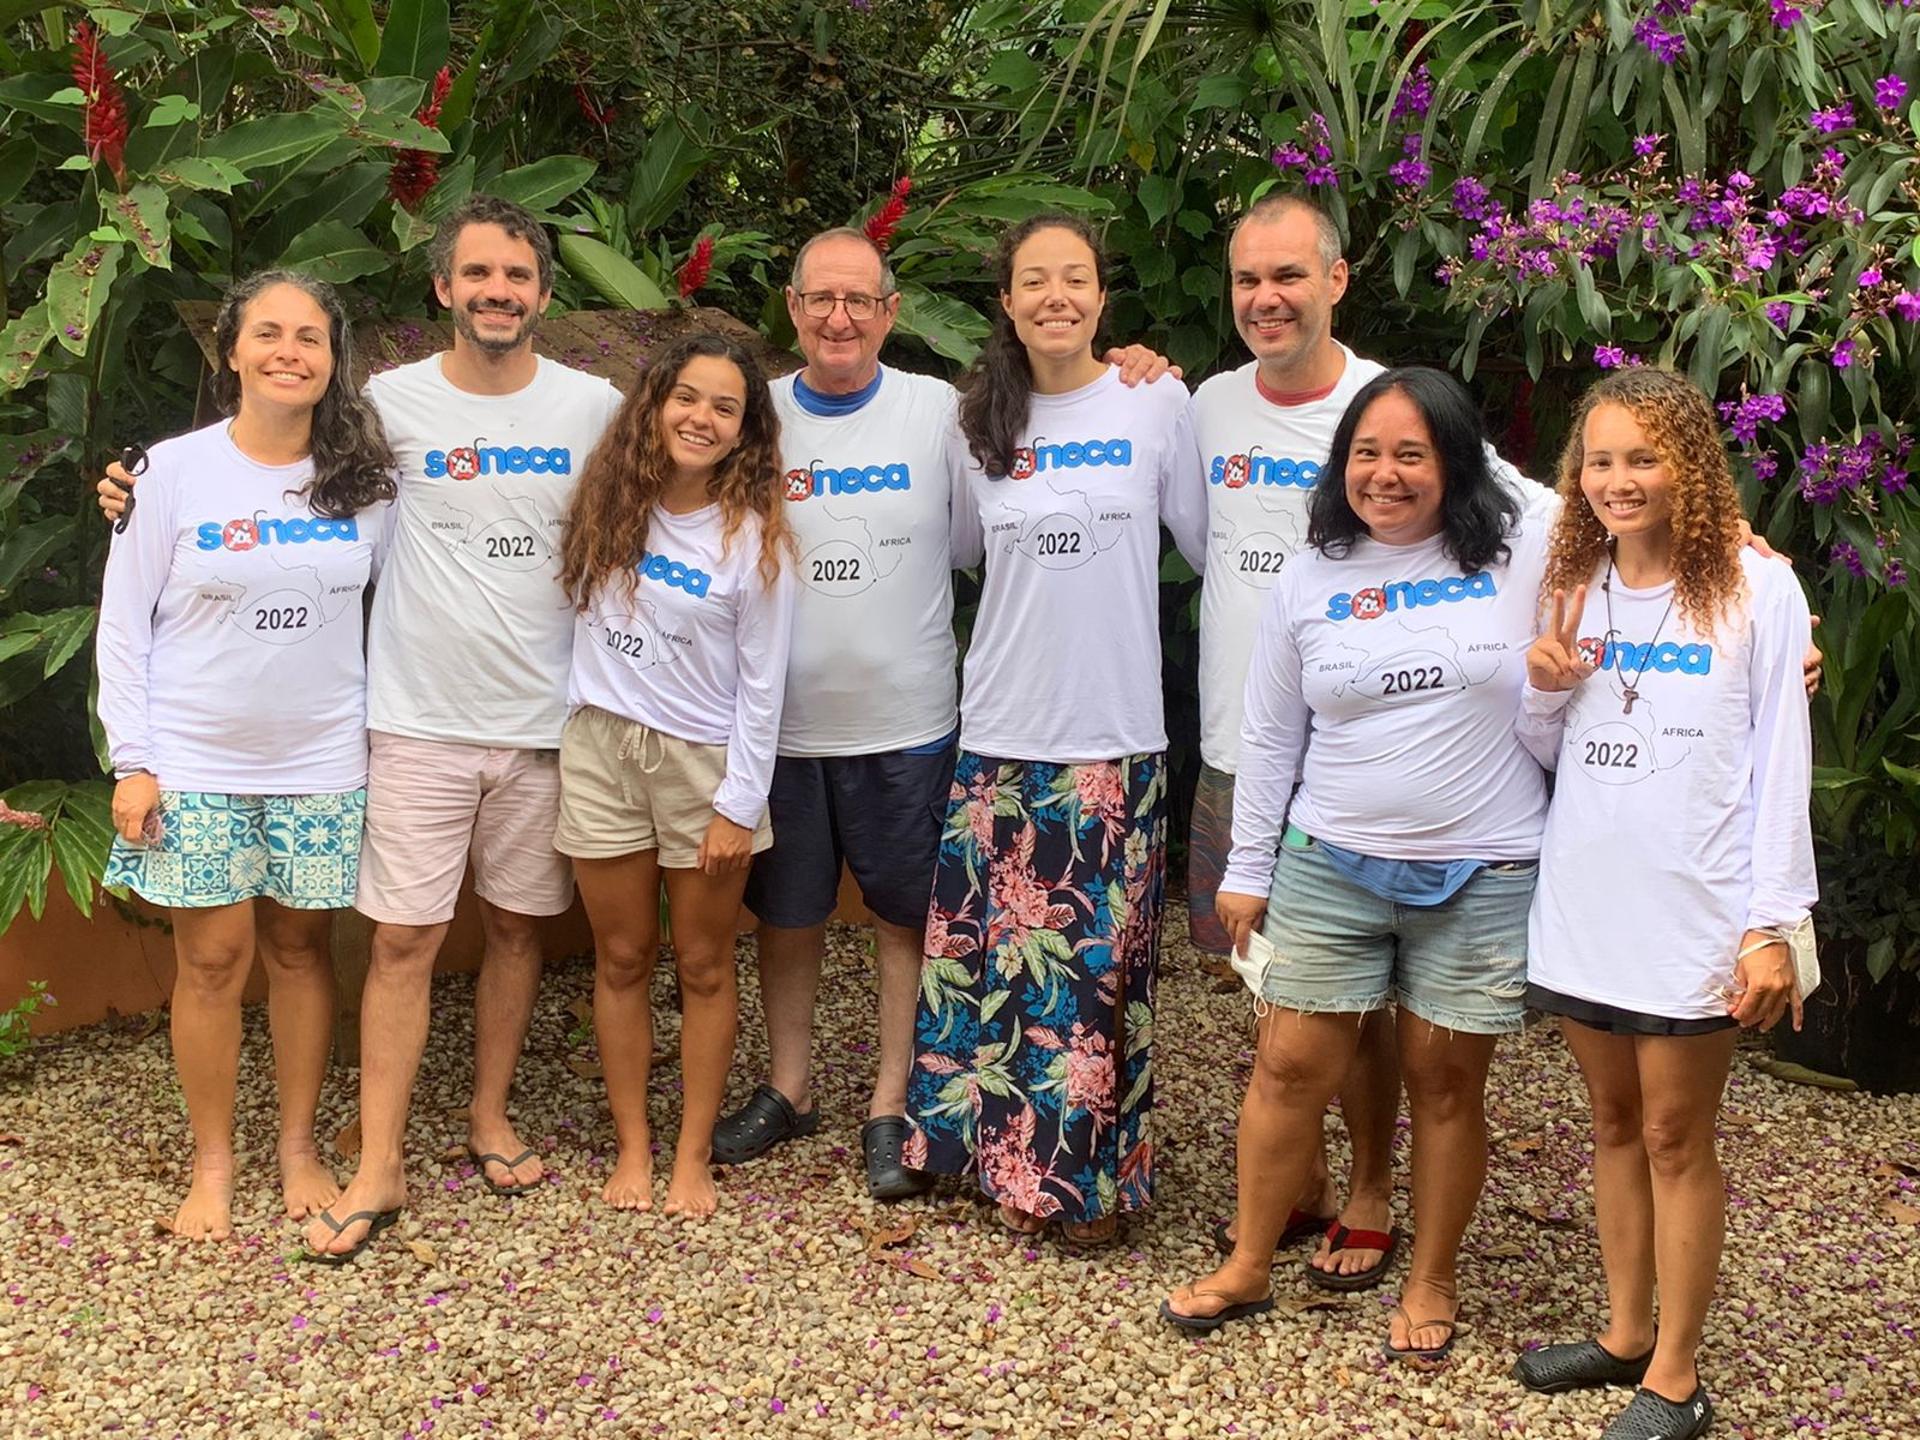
<point>1339,1238</point>
<point>1300,1226</point>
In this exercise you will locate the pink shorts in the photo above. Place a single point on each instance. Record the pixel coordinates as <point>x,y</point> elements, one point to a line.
<point>432,804</point>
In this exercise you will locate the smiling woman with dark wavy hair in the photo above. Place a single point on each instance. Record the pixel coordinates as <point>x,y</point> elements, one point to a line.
<point>233,690</point>
<point>679,561</point>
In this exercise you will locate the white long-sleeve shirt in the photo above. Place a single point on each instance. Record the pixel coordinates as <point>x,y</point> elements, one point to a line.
<point>1682,822</point>
<point>471,630</point>
<point>230,640</point>
<point>697,650</point>
<point>1386,682</point>
<point>1261,459</point>
<point>870,498</point>
<point>1064,662</point>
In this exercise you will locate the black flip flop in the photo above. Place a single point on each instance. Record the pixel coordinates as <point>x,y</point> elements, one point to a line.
<point>1417,1355</point>
<point>1300,1226</point>
<point>767,1119</point>
<point>377,1220</point>
<point>1207,1324</point>
<point>1339,1238</point>
<point>482,1161</point>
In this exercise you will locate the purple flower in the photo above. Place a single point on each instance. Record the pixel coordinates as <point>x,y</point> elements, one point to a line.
<point>1895,574</point>
<point>1843,355</point>
<point>1869,277</point>
<point>1889,91</point>
<point>1840,117</point>
<point>1666,45</point>
<point>1322,175</point>
<point>1906,305</point>
<point>1845,554</point>
<point>1412,174</point>
<point>1290,157</point>
<point>1784,15</point>
<point>1766,465</point>
<point>1415,97</point>
<point>1471,198</point>
<point>1609,357</point>
<point>1647,144</point>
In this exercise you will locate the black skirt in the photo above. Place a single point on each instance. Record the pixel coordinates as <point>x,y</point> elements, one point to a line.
<point>1615,1020</point>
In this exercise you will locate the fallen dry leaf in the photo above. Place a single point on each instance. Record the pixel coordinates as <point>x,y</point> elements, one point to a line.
<point>1522,1144</point>
<point>153,1155</point>
<point>917,1266</point>
<point>453,1154</point>
<point>347,1143</point>
<point>586,1069</point>
<point>1902,1214</point>
<point>1300,1304</point>
<point>458,1112</point>
<point>1885,1170</point>
<point>581,1009</point>
<point>9,1138</point>
<point>881,1237</point>
<point>423,1252</point>
<point>1738,1119</point>
<point>1505,1250</point>
<point>1543,1216</point>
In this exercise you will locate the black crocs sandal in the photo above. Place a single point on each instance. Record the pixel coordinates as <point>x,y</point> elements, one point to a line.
<point>767,1119</point>
<point>883,1139</point>
<point>1580,1365</point>
<point>1654,1417</point>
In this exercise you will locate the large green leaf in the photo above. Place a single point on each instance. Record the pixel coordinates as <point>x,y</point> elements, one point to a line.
<point>334,252</point>
<point>539,185</point>
<point>399,131</point>
<point>611,273</point>
<point>32,95</point>
<point>17,159</point>
<point>356,22</point>
<point>21,344</point>
<point>415,39</point>
<point>279,139</point>
<point>77,289</point>
<point>203,80</point>
<point>672,158</point>
<point>141,215</point>
<point>21,457</point>
<point>29,546</point>
<point>948,326</point>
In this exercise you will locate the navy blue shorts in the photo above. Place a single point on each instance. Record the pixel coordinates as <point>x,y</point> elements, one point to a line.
<point>881,814</point>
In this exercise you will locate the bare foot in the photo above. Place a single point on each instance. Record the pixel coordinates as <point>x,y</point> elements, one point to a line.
<point>1214,1293</point>
<point>365,1191</point>
<point>630,1187</point>
<point>207,1212</point>
<point>691,1191</point>
<point>1363,1212</point>
<point>498,1137</point>
<point>307,1184</point>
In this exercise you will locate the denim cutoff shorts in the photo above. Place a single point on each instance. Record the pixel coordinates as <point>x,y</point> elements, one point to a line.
<point>1341,949</point>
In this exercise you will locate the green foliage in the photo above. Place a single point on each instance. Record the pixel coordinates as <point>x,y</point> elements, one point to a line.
<point>15,1037</point>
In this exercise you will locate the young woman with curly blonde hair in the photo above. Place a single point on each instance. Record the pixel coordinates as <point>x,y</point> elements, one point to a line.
<point>677,560</point>
<point>1666,693</point>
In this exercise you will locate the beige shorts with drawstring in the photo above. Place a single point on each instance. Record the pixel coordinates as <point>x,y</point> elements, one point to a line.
<point>625,787</point>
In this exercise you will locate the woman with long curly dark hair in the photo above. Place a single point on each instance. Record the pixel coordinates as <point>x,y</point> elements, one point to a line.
<point>678,559</point>
<point>1677,860</point>
<point>233,689</point>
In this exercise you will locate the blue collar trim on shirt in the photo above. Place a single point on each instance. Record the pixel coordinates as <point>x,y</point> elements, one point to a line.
<point>829,406</point>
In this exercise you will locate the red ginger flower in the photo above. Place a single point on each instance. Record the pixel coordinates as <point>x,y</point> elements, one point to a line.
<point>591,110</point>
<point>104,130</point>
<point>884,221</point>
<point>415,172</point>
<point>698,265</point>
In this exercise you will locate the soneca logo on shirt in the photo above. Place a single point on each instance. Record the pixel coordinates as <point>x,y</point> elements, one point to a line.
<point>1666,658</point>
<point>263,530</point>
<point>1238,471</point>
<point>820,479</point>
<point>1030,460</point>
<point>1378,600</point>
<point>470,462</point>
<point>672,572</point>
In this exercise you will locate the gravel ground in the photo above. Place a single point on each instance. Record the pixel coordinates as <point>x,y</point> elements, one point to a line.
<point>804,1309</point>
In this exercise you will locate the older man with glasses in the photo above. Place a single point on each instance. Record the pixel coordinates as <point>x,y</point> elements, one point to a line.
<point>867,734</point>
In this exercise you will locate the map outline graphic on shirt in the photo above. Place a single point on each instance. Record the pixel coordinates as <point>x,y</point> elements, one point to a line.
<point>636,624</point>
<point>1641,724</point>
<point>1026,534</point>
<point>537,529</point>
<point>1237,538</point>
<point>815,568</point>
<point>1449,656</point>
<point>314,591</point>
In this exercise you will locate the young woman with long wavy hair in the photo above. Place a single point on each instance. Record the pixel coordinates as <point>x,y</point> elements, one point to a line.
<point>678,560</point>
<point>233,689</point>
<point>1666,694</point>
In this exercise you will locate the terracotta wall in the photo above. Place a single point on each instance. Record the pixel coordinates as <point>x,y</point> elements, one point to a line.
<point>123,962</point>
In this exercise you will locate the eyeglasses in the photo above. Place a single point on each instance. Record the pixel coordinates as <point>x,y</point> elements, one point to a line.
<point>819,304</point>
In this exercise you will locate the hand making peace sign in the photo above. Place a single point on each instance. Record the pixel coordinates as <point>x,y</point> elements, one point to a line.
<point>1554,661</point>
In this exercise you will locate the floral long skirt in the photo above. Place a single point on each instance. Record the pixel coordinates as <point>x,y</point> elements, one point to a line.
<point>1033,1039</point>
